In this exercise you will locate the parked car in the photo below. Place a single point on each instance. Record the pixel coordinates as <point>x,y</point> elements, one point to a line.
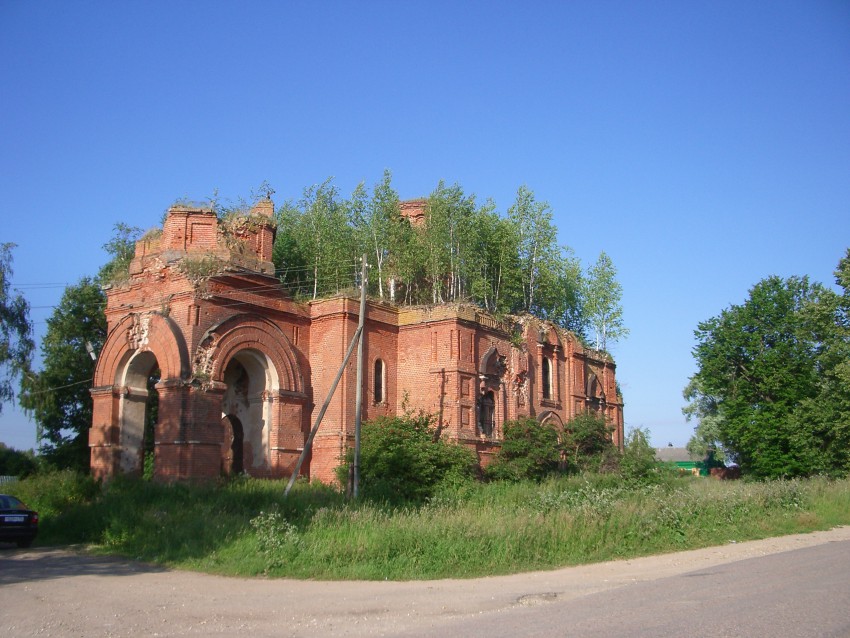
<point>18,523</point>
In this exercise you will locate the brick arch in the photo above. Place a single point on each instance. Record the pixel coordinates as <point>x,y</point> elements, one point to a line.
<point>146,332</point>
<point>248,331</point>
<point>553,335</point>
<point>552,419</point>
<point>492,363</point>
<point>594,387</point>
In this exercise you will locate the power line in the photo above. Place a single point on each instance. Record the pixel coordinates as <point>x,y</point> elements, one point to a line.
<point>60,387</point>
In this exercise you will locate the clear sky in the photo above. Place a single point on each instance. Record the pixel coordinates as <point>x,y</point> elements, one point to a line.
<point>702,145</point>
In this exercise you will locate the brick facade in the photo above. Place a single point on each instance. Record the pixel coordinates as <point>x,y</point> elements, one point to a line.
<point>243,368</point>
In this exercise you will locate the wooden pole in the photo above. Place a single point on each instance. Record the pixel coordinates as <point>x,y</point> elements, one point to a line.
<point>321,414</point>
<point>358,400</point>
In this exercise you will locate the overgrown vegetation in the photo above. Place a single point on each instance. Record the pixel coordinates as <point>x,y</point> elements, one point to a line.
<point>534,451</point>
<point>458,251</point>
<point>404,460</point>
<point>246,527</point>
<point>17,462</point>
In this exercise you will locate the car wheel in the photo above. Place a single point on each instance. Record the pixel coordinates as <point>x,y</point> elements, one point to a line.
<point>24,542</point>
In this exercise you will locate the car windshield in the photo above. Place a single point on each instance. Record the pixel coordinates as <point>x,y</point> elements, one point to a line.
<point>10,503</point>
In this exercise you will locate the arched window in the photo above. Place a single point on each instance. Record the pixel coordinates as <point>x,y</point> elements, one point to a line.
<point>546,370</point>
<point>378,379</point>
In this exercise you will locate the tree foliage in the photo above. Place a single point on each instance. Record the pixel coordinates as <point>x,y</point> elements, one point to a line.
<point>464,252</point>
<point>638,461</point>
<point>16,344</point>
<point>530,450</point>
<point>58,396</point>
<point>587,440</point>
<point>403,459</point>
<point>16,462</point>
<point>533,450</point>
<point>705,442</point>
<point>602,304</point>
<point>122,249</point>
<point>773,374</point>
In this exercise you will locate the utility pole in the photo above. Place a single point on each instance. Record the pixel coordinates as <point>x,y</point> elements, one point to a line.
<point>358,400</point>
<point>357,339</point>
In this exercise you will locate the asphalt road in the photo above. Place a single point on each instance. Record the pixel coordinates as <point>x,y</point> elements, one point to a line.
<point>790,586</point>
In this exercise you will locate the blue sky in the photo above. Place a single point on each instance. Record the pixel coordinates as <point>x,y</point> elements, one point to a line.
<point>702,145</point>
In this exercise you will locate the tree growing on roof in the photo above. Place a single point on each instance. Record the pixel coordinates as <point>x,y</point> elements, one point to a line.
<point>603,302</point>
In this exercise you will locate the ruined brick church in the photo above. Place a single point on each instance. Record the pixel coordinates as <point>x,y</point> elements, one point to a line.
<point>243,368</point>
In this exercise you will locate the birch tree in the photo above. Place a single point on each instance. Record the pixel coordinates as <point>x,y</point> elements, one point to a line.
<point>537,246</point>
<point>373,220</point>
<point>602,302</point>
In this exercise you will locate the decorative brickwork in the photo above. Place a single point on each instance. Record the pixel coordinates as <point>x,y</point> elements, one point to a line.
<point>243,368</point>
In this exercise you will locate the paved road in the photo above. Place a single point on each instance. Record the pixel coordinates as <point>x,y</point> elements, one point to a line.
<point>790,586</point>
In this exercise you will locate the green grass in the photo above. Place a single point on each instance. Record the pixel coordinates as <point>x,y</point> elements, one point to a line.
<point>245,527</point>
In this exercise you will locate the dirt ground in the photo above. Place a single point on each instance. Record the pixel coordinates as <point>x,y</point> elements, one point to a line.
<point>48,592</point>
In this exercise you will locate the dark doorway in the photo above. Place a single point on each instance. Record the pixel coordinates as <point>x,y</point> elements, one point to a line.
<point>151,418</point>
<point>486,414</point>
<point>234,438</point>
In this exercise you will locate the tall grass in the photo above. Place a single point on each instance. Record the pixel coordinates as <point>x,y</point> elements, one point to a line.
<point>246,527</point>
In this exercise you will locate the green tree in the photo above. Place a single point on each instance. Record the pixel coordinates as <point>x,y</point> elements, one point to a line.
<point>122,249</point>
<point>374,220</point>
<point>530,450</point>
<point>565,305</point>
<point>494,277</point>
<point>16,343</point>
<point>705,442</point>
<point>58,396</point>
<point>449,225</point>
<point>603,302</point>
<point>538,249</point>
<point>764,362</point>
<point>315,248</point>
<point>17,463</point>
<point>828,413</point>
<point>638,460</point>
<point>587,440</point>
<point>403,459</point>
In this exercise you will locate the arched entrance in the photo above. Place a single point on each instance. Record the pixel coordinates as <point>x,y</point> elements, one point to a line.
<point>246,414</point>
<point>138,414</point>
<point>552,420</point>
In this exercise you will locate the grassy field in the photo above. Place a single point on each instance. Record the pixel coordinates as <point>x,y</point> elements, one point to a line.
<point>245,527</point>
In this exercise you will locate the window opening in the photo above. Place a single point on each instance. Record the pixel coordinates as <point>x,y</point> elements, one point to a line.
<point>486,414</point>
<point>379,381</point>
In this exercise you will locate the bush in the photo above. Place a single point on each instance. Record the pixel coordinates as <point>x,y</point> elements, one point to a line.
<point>530,450</point>
<point>638,460</point>
<point>16,462</point>
<point>587,443</point>
<point>403,459</point>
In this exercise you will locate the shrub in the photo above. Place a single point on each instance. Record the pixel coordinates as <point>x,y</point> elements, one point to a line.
<point>530,450</point>
<point>638,460</point>
<point>403,459</point>
<point>17,462</point>
<point>277,539</point>
<point>587,443</point>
